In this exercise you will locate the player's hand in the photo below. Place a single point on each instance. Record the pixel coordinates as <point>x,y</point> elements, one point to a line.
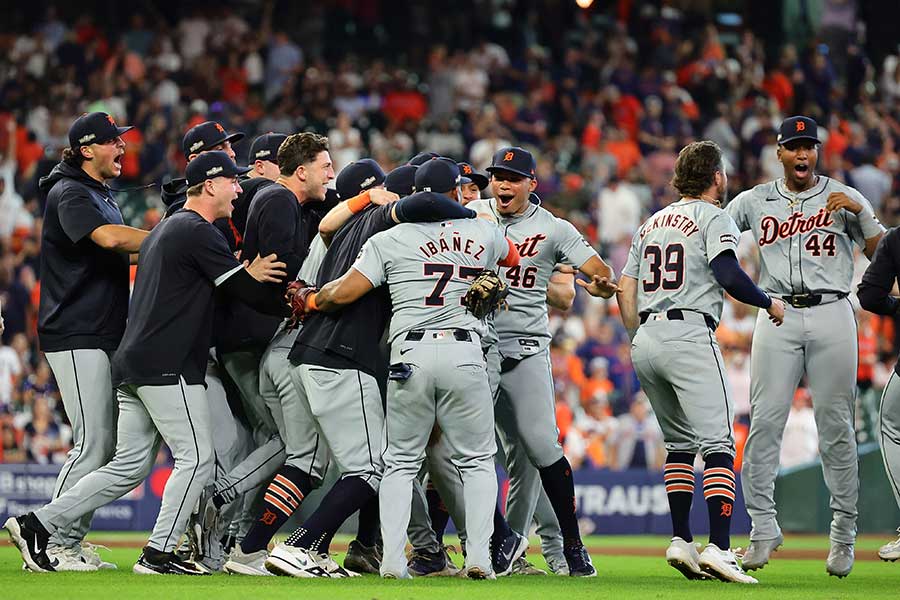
<point>603,287</point>
<point>839,200</point>
<point>381,196</point>
<point>776,311</point>
<point>266,270</point>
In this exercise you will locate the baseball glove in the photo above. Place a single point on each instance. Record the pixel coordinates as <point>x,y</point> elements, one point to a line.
<point>297,295</point>
<point>486,294</point>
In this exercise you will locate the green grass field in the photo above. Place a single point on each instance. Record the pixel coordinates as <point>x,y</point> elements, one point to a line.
<point>620,576</point>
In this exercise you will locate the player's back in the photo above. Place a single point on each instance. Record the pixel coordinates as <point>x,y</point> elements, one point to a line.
<point>672,251</point>
<point>429,267</point>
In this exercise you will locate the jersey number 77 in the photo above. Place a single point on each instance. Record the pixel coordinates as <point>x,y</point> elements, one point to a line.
<point>445,273</point>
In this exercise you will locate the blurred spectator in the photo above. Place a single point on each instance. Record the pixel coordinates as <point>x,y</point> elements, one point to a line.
<point>637,442</point>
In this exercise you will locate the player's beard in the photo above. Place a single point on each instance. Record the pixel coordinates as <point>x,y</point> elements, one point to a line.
<point>722,194</point>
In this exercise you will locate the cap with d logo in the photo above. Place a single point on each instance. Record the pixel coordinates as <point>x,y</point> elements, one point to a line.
<point>205,136</point>
<point>798,128</point>
<point>94,128</point>
<point>513,159</point>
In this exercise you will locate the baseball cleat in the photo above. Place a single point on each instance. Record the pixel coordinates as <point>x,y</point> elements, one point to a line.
<point>579,562</point>
<point>253,563</point>
<point>153,562</point>
<point>840,560</point>
<point>392,575</point>
<point>70,559</point>
<point>92,557</point>
<point>291,561</point>
<point>723,565</point>
<point>334,570</point>
<point>891,550</point>
<point>558,565</point>
<point>759,551</point>
<point>31,538</point>
<point>683,556</point>
<point>507,552</point>
<point>479,573</point>
<point>363,559</point>
<point>431,564</point>
<point>523,567</point>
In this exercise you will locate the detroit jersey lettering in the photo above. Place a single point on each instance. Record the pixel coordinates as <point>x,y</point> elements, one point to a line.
<point>670,256</point>
<point>543,241</point>
<point>805,248</point>
<point>429,267</point>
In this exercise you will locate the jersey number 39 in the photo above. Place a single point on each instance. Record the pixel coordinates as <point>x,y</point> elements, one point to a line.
<point>666,267</point>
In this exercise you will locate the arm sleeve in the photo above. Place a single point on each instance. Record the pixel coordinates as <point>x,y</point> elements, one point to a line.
<point>423,208</point>
<point>874,290</point>
<point>512,257</point>
<point>78,215</point>
<point>277,226</point>
<point>633,263</point>
<point>571,246</point>
<point>263,297</point>
<point>370,261</point>
<point>736,210</point>
<point>731,276</point>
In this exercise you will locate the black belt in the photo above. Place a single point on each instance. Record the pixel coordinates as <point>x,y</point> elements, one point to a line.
<point>460,335</point>
<point>677,314</point>
<point>807,300</point>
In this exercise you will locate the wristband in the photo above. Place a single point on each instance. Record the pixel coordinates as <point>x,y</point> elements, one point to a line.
<point>311,302</point>
<point>358,203</point>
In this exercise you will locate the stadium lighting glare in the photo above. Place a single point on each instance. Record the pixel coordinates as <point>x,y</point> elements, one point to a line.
<point>584,3</point>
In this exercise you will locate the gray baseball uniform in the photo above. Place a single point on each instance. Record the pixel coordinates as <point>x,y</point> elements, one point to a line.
<point>525,404</point>
<point>806,256</point>
<point>675,353</point>
<point>427,268</point>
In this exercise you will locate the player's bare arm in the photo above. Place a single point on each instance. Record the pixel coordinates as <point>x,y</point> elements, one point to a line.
<point>840,200</point>
<point>602,283</point>
<point>121,238</point>
<point>340,214</point>
<point>348,288</point>
<point>561,289</point>
<point>627,300</point>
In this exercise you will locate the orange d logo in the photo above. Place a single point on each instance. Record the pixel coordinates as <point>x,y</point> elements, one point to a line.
<point>508,156</point>
<point>801,126</point>
<point>220,128</point>
<point>467,169</point>
<point>110,119</point>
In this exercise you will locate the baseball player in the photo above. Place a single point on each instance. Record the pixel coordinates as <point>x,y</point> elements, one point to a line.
<point>83,307</point>
<point>401,180</point>
<point>426,267</point>
<point>159,371</point>
<point>431,513</point>
<point>335,360</point>
<point>526,397</point>
<point>805,226</point>
<point>680,260</point>
<point>875,295</point>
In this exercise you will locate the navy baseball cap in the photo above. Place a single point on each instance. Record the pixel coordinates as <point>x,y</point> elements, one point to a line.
<point>798,128</point>
<point>439,175</point>
<point>358,177</point>
<point>205,136</point>
<point>401,180</point>
<point>467,170</point>
<point>265,147</point>
<point>421,158</point>
<point>210,165</point>
<point>513,159</point>
<point>94,128</point>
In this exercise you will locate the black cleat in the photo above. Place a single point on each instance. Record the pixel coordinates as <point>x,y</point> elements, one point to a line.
<point>154,562</point>
<point>31,538</point>
<point>507,552</point>
<point>363,559</point>
<point>579,561</point>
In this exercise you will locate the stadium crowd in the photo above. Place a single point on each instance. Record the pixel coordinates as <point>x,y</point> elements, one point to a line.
<point>606,110</point>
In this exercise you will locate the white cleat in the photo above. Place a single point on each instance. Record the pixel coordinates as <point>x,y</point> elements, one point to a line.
<point>70,559</point>
<point>334,570</point>
<point>290,561</point>
<point>684,557</point>
<point>891,550</point>
<point>723,565</point>
<point>254,563</point>
<point>92,557</point>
